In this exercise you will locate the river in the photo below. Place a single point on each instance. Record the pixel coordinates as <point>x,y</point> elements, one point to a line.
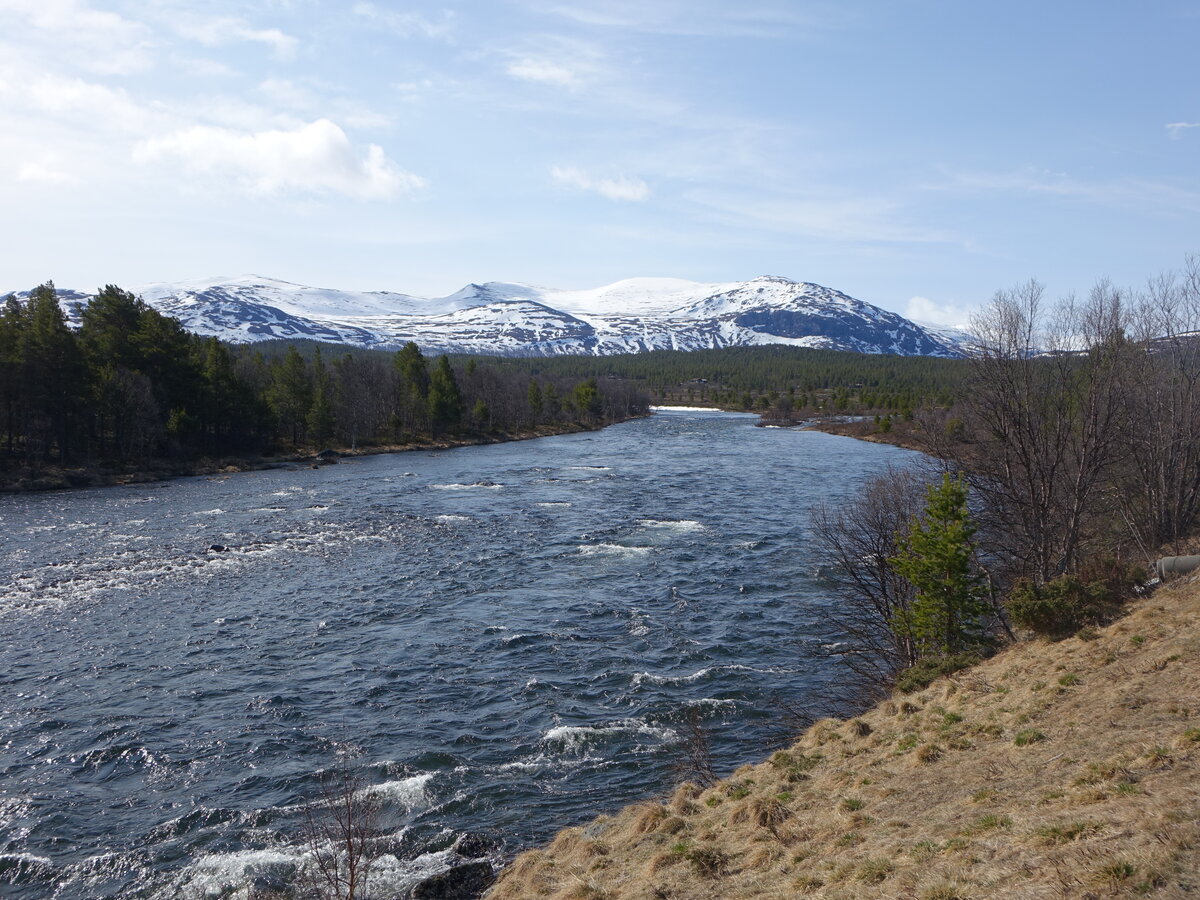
<point>502,639</point>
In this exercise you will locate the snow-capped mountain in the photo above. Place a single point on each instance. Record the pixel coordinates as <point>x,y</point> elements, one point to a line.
<point>630,316</point>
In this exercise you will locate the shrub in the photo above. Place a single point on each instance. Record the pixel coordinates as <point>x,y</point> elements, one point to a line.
<point>1061,607</point>
<point>928,754</point>
<point>1028,736</point>
<point>874,871</point>
<point>945,892</point>
<point>708,862</point>
<point>931,668</point>
<point>1053,835</point>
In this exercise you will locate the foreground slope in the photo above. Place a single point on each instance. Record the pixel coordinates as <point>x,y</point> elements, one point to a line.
<point>1049,771</point>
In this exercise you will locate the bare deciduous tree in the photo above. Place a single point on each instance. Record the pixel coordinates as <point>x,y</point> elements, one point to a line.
<point>1045,402</point>
<point>858,539</point>
<point>695,763</point>
<point>339,827</point>
<point>1159,491</point>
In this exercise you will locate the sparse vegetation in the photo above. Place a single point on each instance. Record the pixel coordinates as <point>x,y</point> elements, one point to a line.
<point>926,671</point>
<point>1027,736</point>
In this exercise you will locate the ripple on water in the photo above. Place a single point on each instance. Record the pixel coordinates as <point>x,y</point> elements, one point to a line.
<point>514,631</point>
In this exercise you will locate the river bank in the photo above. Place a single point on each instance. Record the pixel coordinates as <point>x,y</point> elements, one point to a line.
<point>52,478</point>
<point>899,435</point>
<point>1049,770</point>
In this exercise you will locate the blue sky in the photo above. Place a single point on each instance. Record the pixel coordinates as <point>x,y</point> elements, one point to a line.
<point>917,155</point>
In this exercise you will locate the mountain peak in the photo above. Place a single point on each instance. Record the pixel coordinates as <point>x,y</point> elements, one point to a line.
<point>510,318</point>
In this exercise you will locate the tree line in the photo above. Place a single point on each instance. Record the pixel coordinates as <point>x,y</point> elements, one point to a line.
<point>130,386</point>
<point>1069,462</point>
<point>772,377</point>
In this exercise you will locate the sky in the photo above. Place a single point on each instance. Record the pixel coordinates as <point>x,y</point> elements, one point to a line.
<point>916,155</point>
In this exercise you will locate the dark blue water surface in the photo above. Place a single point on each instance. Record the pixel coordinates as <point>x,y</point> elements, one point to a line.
<point>502,639</point>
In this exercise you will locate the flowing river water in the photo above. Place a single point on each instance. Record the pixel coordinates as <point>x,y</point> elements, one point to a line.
<point>503,639</point>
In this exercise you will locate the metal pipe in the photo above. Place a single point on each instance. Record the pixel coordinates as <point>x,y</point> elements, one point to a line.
<point>1176,565</point>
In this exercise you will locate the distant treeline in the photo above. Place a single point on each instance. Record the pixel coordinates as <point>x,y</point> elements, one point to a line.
<point>760,377</point>
<point>131,386</point>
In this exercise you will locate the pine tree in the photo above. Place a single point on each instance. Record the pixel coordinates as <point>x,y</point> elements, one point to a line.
<point>445,399</point>
<point>13,325</point>
<point>586,397</point>
<point>320,414</point>
<point>949,609</point>
<point>534,396</point>
<point>56,381</point>
<point>412,400</point>
<point>290,394</point>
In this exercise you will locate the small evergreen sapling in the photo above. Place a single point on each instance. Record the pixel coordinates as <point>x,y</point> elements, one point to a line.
<point>949,610</point>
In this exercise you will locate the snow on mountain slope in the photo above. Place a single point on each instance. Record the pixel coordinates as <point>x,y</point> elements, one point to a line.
<point>293,299</point>
<point>630,316</point>
<point>636,296</point>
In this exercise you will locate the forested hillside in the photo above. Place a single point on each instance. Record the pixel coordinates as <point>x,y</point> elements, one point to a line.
<point>758,377</point>
<point>131,386</point>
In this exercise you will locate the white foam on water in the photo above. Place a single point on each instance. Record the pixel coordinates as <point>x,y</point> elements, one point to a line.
<point>541,762</point>
<point>448,519</point>
<point>409,792</point>
<point>229,875</point>
<point>617,550</point>
<point>710,702</point>
<point>487,485</point>
<point>390,876</point>
<point>640,678</point>
<point>551,503</point>
<point>27,860</point>
<point>575,738</point>
<point>209,512</point>
<point>96,577</point>
<point>639,624</point>
<point>682,525</point>
<point>589,468</point>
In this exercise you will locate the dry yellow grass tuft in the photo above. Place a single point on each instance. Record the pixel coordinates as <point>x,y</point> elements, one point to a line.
<point>1050,771</point>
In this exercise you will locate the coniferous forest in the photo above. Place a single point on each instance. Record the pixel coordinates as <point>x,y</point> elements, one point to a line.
<point>131,388</point>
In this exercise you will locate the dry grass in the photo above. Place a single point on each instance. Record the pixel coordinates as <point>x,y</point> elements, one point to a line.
<point>1063,770</point>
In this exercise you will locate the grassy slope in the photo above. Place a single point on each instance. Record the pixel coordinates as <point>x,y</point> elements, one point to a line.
<point>1050,771</point>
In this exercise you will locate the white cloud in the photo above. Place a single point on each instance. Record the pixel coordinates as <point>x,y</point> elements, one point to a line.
<point>698,18</point>
<point>822,214</point>
<point>544,71</point>
<point>930,312</point>
<point>1127,192</point>
<point>406,24</point>
<point>43,173</point>
<point>308,99</point>
<point>314,158</point>
<point>228,29</point>
<point>96,40</point>
<point>622,187</point>
<point>1175,129</point>
<point>73,99</point>
<point>284,92</point>
<point>558,61</point>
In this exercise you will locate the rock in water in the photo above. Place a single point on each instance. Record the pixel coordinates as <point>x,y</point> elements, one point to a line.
<point>475,846</point>
<point>465,882</point>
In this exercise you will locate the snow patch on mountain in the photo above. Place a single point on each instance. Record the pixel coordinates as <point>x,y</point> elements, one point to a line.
<point>630,316</point>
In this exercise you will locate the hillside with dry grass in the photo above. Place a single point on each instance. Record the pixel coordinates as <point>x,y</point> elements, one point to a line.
<point>1052,770</point>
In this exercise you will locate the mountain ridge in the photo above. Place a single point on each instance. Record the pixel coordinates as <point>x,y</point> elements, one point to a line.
<point>514,319</point>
